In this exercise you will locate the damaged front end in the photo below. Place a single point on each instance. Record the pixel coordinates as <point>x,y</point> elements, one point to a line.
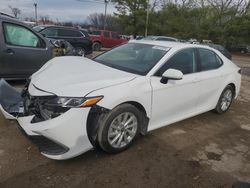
<point>14,104</point>
<point>57,130</point>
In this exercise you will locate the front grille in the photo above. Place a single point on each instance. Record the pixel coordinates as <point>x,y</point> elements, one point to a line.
<point>46,145</point>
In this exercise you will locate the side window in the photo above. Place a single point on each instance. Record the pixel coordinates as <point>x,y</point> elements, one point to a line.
<point>20,36</point>
<point>106,34</point>
<point>95,32</point>
<point>68,33</point>
<point>183,61</point>
<point>49,32</point>
<point>209,60</point>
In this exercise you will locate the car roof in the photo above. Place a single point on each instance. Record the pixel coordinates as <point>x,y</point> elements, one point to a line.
<point>11,19</point>
<point>7,17</point>
<point>57,26</point>
<point>170,44</point>
<point>156,37</point>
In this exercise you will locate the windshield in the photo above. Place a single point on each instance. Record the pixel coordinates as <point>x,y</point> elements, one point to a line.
<point>133,57</point>
<point>38,28</point>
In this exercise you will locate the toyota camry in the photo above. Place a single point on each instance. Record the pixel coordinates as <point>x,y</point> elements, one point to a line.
<point>74,104</point>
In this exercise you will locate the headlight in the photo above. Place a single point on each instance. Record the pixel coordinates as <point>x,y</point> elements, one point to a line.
<point>73,102</point>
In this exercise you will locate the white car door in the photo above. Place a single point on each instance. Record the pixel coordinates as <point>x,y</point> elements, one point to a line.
<point>210,80</point>
<point>175,100</point>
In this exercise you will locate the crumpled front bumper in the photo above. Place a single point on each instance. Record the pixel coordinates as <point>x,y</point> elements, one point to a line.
<point>59,138</point>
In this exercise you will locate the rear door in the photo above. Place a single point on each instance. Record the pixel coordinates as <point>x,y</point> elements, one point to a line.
<point>116,40</point>
<point>106,40</point>
<point>23,51</point>
<point>210,79</point>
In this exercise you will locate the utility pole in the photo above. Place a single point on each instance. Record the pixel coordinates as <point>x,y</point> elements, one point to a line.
<point>35,5</point>
<point>146,28</point>
<point>105,15</point>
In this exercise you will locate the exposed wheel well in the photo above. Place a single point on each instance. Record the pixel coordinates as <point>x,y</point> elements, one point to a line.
<point>97,112</point>
<point>137,105</point>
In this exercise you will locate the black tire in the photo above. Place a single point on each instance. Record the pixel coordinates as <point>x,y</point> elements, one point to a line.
<point>96,46</point>
<point>80,51</point>
<point>105,123</point>
<point>219,108</point>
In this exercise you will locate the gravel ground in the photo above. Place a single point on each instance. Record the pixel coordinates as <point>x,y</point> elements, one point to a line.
<point>208,150</point>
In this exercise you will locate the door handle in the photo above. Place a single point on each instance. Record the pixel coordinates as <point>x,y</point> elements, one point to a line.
<point>9,51</point>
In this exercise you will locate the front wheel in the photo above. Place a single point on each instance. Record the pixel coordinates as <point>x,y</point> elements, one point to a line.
<point>119,128</point>
<point>80,51</point>
<point>225,100</point>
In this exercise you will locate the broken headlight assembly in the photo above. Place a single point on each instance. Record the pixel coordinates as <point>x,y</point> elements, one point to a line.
<point>55,106</point>
<point>73,102</point>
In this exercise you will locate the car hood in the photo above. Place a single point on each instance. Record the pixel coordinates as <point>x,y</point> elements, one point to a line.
<point>76,76</point>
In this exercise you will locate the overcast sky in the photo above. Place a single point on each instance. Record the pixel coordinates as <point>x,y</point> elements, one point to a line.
<point>63,10</point>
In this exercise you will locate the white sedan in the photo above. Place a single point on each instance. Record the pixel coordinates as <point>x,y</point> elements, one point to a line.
<point>73,104</point>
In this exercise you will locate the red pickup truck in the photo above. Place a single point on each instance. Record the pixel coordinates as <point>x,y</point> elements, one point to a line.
<point>106,39</point>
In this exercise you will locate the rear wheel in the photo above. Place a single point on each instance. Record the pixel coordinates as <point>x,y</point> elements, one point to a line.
<point>119,128</point>
<point>225,100</point>
<point>97,46</point>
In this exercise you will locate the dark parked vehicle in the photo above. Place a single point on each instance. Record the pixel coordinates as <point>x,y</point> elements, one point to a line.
<point>222,49</point>
<point>22,50</point>
<point>79,39</point>
<point>241,48</point>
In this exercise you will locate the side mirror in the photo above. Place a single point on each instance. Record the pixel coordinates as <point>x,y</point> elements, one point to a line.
<point>171,74</point>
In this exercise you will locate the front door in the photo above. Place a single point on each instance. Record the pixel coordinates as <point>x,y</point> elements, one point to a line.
<point>175,100</point>
<point>23,51</point>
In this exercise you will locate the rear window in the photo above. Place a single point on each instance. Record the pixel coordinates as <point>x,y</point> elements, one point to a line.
<point>49,32</point>
<point>85,33</point>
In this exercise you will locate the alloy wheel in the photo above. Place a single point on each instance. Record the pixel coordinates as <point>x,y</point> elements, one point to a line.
<point>122,130</point>
<point>226,100</point>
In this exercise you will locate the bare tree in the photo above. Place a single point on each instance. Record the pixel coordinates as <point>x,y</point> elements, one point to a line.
<point>15,11</point>
<point>97,20</point>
